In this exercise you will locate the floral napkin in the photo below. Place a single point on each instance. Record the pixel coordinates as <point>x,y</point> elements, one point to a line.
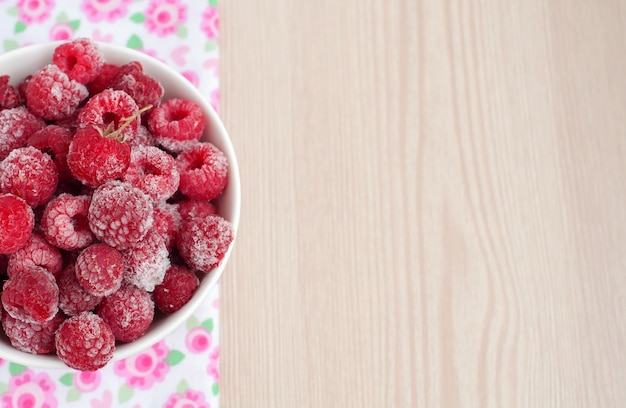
<point>182,370</point>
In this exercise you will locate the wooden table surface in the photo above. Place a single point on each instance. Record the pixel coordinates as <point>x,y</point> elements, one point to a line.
<point>434,203</point>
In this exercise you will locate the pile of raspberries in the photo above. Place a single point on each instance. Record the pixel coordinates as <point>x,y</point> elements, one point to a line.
<point>105,205</point>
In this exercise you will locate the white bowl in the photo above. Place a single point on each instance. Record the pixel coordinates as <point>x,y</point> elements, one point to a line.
<point>24,61</point>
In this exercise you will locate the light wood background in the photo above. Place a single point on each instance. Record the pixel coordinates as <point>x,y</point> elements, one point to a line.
<point>434,203</point>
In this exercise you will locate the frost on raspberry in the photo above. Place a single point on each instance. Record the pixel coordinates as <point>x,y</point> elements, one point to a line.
<point>73,298</point>
<point>17,221</point>
<point>120,215</point>
<point>16,126</point>
<point>167,221</point>
<point>31,294</point>
<point>129,312</point>
<point>147,261</point>
<point>153,171</point>
<point>103,80</point>
<point>114,113</point>
<point>177,124</point>
<point>143,88</point>
<point>30,174</point>
<point>203,242</point>
<point>80,59</point>
<point>85,342</point>
<point>176,290</point>
<point>143,138</point>
<point>36,252</point>
<point>203,171</point>
<point>9,95</point>
<point>29,337</point>
<point>195,208</point>
<point>55,141</point>
<point>99,269</point>
<point>64,222</point>
<point>52,95</point>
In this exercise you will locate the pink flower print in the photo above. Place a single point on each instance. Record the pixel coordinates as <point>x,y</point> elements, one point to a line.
<point>190,399</point>
<point>30,390</point>
<point>144,369</point>
<point>215,100</point>
<point>61,31</point>
<point>210,23</point>
<point>35,11</point>
<point>214,364</point>
<point>198,339</point>
<point>109,10</point>
<point>191,77</point>
<point>86,381</point>
<point>106,402</point>
<point>98,36</point>
<point>163,16</point>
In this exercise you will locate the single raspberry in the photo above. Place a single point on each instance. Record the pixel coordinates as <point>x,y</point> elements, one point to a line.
<point>55,141</point>
<point>9,95</point>
<point>115,113</point>
<point>52,95</point>
<point>73,298</point>
<point>120,215</point>
<point>143,138</point>
<point>167,221</point>
<point>30,174</point>
<point>104,79</point>
<point>36,252</point>
<point>16,126</point>
<point>94,159</point>
<point>99,269</point>
<point>176,290</point>
<point>31,294</point>
<point>203,242</point>
<point>153,171</point>
<point>85,342</point>
<point>17,221</point>
<point>33,338</point>
<point>176,124</point>
<point>128,312</point>
<point>64,222</point>
<point>80,59</point>
<point>146,262</point>
<point>143,88</point>
<point>203,171</point>
<point>194,208</point>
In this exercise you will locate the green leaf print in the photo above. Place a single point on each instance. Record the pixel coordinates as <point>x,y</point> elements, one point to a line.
<point>215,389</point>
<point>181,31</point>
<point>10,45</point>
<point>182,386</point>
<point>134,42</point>
<point>208,324</point>
<point>125,394</point>
<point>192,322</point>
<point>67,379</point>
<point>138,17</point>
<point>62,17</point>
<point>210,45</point>
<point>213,3</point>
<point>19,27</point>
<point>4,387</point>
<point>74,24</point>
<point>73,395</point>
<point>13,11</point>
<point>16,369</point>
<point>174,357</point>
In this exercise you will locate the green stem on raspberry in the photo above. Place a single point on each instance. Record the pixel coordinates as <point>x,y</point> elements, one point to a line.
<point>110,133</point>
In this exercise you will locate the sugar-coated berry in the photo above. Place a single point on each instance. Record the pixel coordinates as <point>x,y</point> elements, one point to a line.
<point>80,59</point>
<point>16,126</point>
<point>203,242</point>
<point>176,124</point>
<point>73,298</point>
<point>85,342</point>
<point>129,312</point>
<point>17,221</point>
<point>143,88</point>
<point>103,80</point>
<point>176,290</point>
<point>120,215</point>
<point>195,208</point>
<point>9,95</point>
<point>30,174</point>
<point>36,252</point>
<point>143,138</point>
<point>99,269</point>
<point>33,338</point>
<point>55,141</point>
<point>153,171</point>
<point>64,222</point>
<point>147,261</point>
<point>109,111</point>
<point>31,294</point>
<point>203,171</point>
<point>52,95</point>
<point>167,221</point>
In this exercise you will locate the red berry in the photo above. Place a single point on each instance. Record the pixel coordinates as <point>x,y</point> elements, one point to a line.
<point>143,138</point>
<point>103,80</point>
<point>167,222</point>
<point>143,88</point>
<point>30,174</point>
<point>203,242</point>
<point>52,95</point>
<point>36,252</point>
<point>73,298</point>
<point>110,111</point>
<point>85,342</point>
<point>147,261</point>
<point>194,208</point>
<point>16,126</point>
<point>99,269</point>
<point>203,171</point>
<point>29,337</point>
<point>80,59</point>
<point>94,159</point>
<point>64,222</point>
<point>176,289</point>
<point>31,294</point>
<point>120,215</point>
<point>17,221</point>
<point>128,312</point>
<point>55,141</point>
<point>176,124</point>
<point>152,171</point>
<point>9,95</point>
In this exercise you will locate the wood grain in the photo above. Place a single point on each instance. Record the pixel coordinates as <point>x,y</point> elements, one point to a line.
<point>433,203</point>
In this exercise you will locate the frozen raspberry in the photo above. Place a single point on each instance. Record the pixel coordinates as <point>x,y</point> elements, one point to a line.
<point>146,262</point>
<point>71,122</point>
<point>153,171</point>
<point>80,59</point>
<point>32,338</point>
<point>16,126</point>
<point>167,222</point>
<point>176,290</point>
<point>55,141</point>
<point>143,88</point>
<point>104,79</point>
<point>99,269</point>
<point>31,294</point>
<point>64,222</point>
<point>9,95</point>
<point>143,138</point>
<point>73,298</point>
<point>203,242</point>
<point>94,159</point>
<point>21,88</point>
<point>16,223</point>
<point>128,312</point>
<point>120,215</point>
<point>30,174</point>
<point>36,252</point>
<point>194,208</point>
<point>203,170</point>
<point>85,342</point>
<point>115,113</point>
<point>176,124</point>
<point>52,95</point>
